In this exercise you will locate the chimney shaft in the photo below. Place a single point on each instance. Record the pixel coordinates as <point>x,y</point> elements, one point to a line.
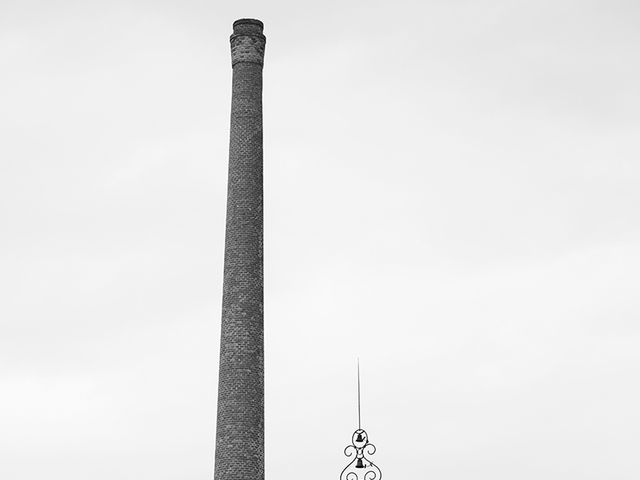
<point>240,420</point>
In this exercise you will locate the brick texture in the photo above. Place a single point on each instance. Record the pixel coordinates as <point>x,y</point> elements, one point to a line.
<point>240,420</point>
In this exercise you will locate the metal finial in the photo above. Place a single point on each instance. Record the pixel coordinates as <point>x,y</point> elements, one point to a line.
<point>361,467</point>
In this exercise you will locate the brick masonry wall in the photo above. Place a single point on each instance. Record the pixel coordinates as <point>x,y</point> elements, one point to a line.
<point>240,420</point>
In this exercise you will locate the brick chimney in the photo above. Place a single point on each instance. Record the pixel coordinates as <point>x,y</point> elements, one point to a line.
<point>240,421</point>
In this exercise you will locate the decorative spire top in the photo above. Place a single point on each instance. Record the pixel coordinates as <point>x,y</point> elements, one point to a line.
<point>360,468</point>
<point>359,426</point>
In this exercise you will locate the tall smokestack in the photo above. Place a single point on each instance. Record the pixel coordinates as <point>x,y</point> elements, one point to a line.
<point>240,422</point>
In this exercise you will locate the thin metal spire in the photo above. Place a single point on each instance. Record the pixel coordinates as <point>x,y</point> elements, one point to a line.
<point>359,426</point>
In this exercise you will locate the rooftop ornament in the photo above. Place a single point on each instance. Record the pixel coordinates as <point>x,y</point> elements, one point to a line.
<point>360,468</point>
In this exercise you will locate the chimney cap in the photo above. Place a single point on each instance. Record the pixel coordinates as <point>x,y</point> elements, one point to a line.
<point>248,25</point>
<point>248,20</point>
<point>247,42</point>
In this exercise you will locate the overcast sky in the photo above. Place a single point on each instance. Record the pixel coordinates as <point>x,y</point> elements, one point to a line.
<point>451,194</point>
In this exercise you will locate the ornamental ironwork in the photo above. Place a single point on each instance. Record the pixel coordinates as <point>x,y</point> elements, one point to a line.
<point>360,467</point>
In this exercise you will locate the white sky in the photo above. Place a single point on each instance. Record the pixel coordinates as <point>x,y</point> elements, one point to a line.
<point>452,193</point>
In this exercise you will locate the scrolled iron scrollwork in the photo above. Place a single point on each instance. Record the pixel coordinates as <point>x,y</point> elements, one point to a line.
<point>360,468</point>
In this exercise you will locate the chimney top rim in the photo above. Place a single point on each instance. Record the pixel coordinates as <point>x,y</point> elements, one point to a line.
<point>249,21</point>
